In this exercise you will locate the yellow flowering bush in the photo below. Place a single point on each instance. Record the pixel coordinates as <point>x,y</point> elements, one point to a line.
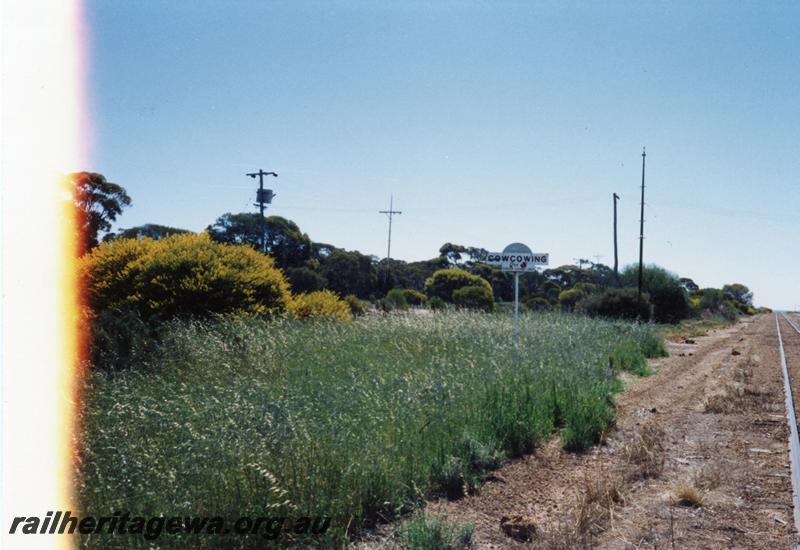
<point>187,274</point>
<point>322,303</point>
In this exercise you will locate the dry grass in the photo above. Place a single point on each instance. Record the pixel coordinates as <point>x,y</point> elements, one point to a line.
<point>594,507</point>
<point>645,452</point>
<point>708,477</point>
<point>685,494</point>
<point>727,400</point>
<point>562,536</point>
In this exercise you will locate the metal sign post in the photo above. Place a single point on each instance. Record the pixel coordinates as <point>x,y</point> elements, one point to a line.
<point>516,309</point>
<point>517,258</point>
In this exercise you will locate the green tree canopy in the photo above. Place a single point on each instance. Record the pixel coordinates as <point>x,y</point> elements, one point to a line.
<point>349,273</point>
<point>284,241</point>
<point>738,293</point>
<point>150,231</point>
<point>669,299</point>
<point>452,252</point>
<point>444,282</point>
<point>99,202</point>
<point>688,284</point>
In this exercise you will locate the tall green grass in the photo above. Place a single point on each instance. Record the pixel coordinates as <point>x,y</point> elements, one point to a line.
<point>354,420</point>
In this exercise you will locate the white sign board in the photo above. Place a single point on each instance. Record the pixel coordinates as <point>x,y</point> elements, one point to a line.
<point>517,257</point>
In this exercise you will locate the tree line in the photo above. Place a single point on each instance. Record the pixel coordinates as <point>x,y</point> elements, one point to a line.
<point>311,266</point>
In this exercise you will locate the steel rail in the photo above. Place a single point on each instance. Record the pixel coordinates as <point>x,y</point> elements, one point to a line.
<point>789,319</point>
<point>794,443</point>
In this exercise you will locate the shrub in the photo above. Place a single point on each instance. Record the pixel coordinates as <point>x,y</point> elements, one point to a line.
<point>619,303</point>
<point>435,533</point>
<point>437,303</point>
<point>474,297</point>
<point>714,301</point>
<point>303,279</point>
<point>569,299</point>
<point>444,282</point>
<point>181,275</point>
<point>395,299</point>
<point>588,288</point>
<point>669,299</point>
<point>357,307</point>
<point>415,297</point>
<point>322,303</point>
<point>537,303</point>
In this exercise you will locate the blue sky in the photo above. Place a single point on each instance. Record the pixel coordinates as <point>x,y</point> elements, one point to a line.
<point>489,122</point>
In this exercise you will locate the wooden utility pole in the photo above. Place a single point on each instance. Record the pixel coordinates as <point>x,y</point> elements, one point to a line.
<point>263,198</point>
<point>389,213</point>
<point>641,234</point>
<point>616,257</point>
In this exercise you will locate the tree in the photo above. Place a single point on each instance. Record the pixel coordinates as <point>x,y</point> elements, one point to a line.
<point>688,284</point>
<point>474,297</point>
<point>669,299</point>
<point>738,293</point>
<point>99,202</point>
<point>148,230</point>
<point>242,228</point>
<point>444,282</point>
<point>620,303</point>
<point>349,273</point>
<point>452,252</point>
<point>502,283</point>
<point>284,241</point>
<point>303,279</point>
<point>568,299</point>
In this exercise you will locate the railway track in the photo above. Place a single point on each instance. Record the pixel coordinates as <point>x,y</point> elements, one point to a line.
<point>793,326</point>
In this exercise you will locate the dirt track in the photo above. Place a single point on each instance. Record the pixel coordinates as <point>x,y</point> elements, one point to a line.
<point>711,418</point>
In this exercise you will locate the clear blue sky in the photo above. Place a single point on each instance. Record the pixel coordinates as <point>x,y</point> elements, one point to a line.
<point>490,123</point>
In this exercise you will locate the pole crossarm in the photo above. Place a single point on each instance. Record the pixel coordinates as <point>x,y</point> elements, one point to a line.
<point>391,212</point>
<point>261,201</point>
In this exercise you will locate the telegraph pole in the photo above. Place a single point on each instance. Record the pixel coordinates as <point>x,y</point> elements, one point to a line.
<point>616,257</point>
<point>263,197</point>
<point>389,213</point>
<point>641,233</point>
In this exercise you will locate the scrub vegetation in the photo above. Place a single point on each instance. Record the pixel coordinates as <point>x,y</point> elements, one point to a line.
<point>358,420</point>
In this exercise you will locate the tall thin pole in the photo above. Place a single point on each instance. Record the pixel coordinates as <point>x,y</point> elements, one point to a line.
<point>260,202</point>
<point>616,256</point>
<point>641,233</point>
<point>516,309</point>
<point>389,213</point>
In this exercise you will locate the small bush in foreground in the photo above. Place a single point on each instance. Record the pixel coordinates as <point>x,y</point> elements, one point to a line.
<point>322,303</point>
<point>425,532</point>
